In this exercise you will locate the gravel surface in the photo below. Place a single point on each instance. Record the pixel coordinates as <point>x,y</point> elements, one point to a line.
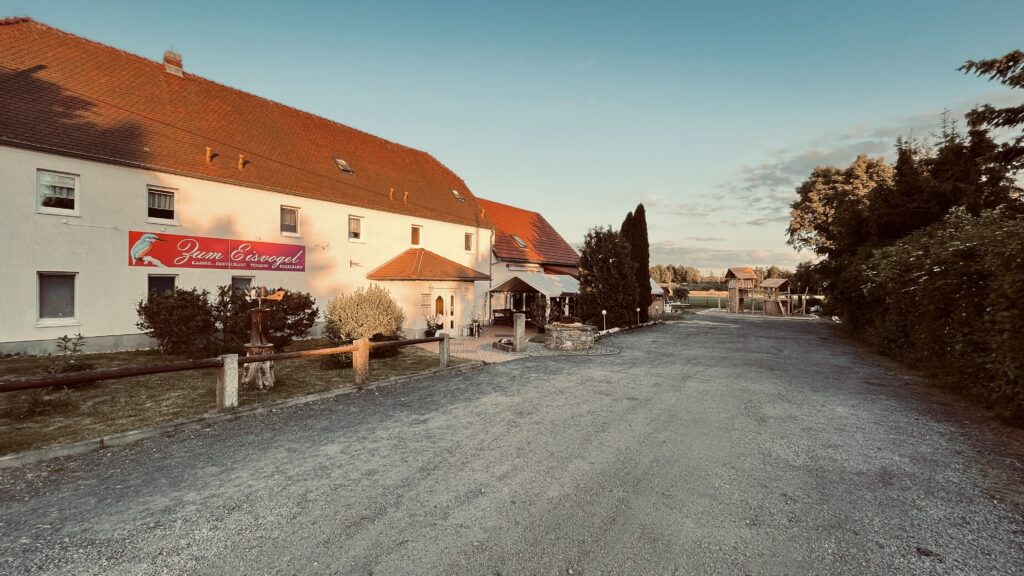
<point>708,446</point>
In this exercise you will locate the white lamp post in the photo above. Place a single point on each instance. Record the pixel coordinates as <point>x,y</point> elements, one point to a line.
<point>604,318</point>
<point>637,315</point>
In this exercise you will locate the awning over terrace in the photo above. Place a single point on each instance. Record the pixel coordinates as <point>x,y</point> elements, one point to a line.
<point>550,285</point>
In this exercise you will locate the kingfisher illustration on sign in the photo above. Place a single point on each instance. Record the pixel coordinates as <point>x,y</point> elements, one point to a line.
<point>175,251</point>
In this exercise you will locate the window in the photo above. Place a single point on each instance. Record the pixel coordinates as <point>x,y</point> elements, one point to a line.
<point>289,221</point>
<point>343,166</point>
<point>56,296</point>
<point>355,228</point>
<point>241,282</point>
<point>519,241</point>
<point>416,235</point>
<point>161,205</point>
<point>161,283</point>
<point>58,193</point>
<point>458,196</point>
<point>468,242</point>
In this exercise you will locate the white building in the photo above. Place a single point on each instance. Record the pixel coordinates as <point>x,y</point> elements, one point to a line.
<point>99,147</point>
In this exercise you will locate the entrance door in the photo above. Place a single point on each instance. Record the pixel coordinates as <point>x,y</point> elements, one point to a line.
<point>445,307</point>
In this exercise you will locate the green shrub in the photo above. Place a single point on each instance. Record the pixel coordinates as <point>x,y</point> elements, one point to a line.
<point>181,321</point>
<point>287,319</point>
<point>364,313</point>
<point>947,298</point>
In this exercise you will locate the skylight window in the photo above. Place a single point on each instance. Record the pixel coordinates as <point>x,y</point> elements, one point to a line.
<point>519,241</point>
<point>458,196</point>
<point>343,166</point>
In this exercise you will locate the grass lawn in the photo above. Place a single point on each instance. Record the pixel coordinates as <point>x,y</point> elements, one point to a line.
<point>35,418</point>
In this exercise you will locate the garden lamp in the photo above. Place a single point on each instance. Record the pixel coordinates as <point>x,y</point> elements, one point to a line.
<point>604,318</point>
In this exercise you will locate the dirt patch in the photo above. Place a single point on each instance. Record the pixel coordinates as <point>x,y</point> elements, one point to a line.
<point>36,418</point>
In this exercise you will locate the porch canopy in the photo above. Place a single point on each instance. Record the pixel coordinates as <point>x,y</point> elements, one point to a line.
<point>550,285</point>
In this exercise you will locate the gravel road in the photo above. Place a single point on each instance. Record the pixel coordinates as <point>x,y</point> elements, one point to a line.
<point>714,445</point>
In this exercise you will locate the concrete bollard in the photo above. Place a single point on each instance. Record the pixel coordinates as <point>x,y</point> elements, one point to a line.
<point>519,339</point>
<point>444,350</point>
<point>361,362</point>
<point>227,382</point>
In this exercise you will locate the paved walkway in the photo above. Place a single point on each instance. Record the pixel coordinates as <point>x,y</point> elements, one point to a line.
<point>710,446</point>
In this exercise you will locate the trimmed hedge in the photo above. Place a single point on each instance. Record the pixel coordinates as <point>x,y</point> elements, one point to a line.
<point>949,298</point>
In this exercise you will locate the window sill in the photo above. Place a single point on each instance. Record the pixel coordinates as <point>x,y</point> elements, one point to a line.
<point>291,234</point>
<point>51,322</point>
<point>357,240</point>
<point>58,212</point>
<point>162,221</point>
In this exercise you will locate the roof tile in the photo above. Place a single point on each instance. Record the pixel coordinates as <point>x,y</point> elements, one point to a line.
<point>69,95</point>
<point>544,245</point>
<point>421,264</point>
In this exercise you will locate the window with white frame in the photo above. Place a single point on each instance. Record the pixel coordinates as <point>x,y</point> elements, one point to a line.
<point>160,283</point>
<point>468,242</point>
<point>289,221</point>
<point>355,227</point>
<point>241,282</point>
<point>415,239</point>
<point>57,192</point>
<point>161,205</point>
<point>56,296</point>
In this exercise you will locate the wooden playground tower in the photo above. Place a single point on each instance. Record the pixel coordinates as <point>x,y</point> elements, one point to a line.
<point>774,294</point>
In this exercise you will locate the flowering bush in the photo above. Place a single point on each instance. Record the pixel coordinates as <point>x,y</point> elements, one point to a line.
<point>368,312</point>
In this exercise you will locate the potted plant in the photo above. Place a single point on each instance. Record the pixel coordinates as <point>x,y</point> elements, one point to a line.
<point>476,320</point>
<point>434,323</point>
<point>539,313</point>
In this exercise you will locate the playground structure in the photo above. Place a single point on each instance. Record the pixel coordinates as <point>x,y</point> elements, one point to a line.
<point>774,295</point>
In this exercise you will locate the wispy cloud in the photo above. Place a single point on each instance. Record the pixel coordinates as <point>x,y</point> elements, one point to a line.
<point>763,192</point>
<point>718,259</point>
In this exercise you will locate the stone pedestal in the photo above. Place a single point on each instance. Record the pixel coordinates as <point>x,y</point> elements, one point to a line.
<point>570,336</point>
<point>519,337</point>
<point>259,375</point>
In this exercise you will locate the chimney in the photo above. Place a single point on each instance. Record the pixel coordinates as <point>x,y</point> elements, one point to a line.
<point>172,63</point>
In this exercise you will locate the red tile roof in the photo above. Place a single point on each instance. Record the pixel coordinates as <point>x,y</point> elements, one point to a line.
<point>563,270</point>
<point>543,244</point>
<point>68,95</point>
<point>420,264</point>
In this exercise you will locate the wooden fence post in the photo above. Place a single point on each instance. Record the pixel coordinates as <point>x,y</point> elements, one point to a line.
<point>227,382</point>
<point>444,350</point>
<point>361,362</point>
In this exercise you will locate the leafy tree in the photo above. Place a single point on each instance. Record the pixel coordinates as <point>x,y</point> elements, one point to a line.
<point>830,215</point>
<point>607,281</point>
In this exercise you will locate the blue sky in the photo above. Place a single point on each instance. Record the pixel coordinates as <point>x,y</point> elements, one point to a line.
<point>709,113</point>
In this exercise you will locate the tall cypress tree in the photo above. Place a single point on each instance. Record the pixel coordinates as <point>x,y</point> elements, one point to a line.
<point>640,249</point>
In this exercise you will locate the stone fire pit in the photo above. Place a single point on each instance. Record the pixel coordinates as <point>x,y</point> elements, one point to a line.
<point>570,336</point>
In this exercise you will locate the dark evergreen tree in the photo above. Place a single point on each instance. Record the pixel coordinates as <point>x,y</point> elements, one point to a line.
<point>1009,71</point>
<point>606,278</point>
<point>640,250</point>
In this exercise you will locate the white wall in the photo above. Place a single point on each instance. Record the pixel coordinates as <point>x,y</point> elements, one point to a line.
<point>113,200</point>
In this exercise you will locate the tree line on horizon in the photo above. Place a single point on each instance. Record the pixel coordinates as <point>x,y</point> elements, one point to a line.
<point>924,257</point>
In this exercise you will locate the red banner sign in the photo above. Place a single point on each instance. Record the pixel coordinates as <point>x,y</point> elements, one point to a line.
<point>159,250</point>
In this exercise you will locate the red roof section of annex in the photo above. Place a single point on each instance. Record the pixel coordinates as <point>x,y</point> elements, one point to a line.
<point>543,244</point>
<point>68,95</point>
<point>422,264</point>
